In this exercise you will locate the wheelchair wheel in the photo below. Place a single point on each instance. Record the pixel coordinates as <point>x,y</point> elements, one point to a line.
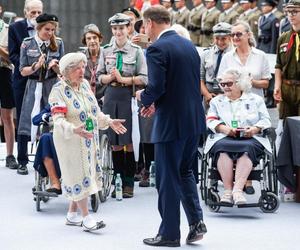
<point>214,197</point>
<point>94,202</point>
<point>107,167</point>
<point>269,203</point>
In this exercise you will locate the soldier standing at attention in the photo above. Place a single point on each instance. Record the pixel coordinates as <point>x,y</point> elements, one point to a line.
<point>182,15</point>
<point>168,5</point>
<point>229,14</point>
<point>268,28</point>
<point>284,25</point>
<point>194,26</point>
<point>237,7</point>
<point>277,13</point>
<point>287,68</point>
<point>209,19</point>
<point>250,15</point>
<point>211,60</point>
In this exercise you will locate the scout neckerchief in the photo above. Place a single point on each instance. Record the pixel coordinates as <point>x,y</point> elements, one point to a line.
<point>119,62</point>
<point>294,37</point>
<point>43,48</point>
<point>89,126</point>
<point>234,121</point>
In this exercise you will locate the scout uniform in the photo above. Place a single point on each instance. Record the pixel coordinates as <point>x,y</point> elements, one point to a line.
<point>209,19</point>
<point>31,50</point>
<point>194,25</point>
<point>268,30</point>
<point>230,15</point>
<point>211,59</point>
<point>182,16</point>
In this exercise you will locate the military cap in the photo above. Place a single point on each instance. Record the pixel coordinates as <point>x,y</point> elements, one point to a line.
<point>226,1</point>
<point>247,1</point>
<point>91,28</point>
<point>293,4</point>
<point>272,3</point>
<point>222,29</point>
<point>119,19</point>
<point>46,18</point>
<point>133,10</point>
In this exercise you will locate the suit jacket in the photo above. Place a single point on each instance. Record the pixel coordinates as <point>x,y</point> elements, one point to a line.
<point>174,77</point>
<point>16,34</point>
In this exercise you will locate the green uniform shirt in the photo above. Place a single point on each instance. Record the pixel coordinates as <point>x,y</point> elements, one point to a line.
<point>286,61</point>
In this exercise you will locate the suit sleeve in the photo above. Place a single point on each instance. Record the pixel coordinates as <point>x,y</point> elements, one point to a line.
<point>275,34</point>
<point>157,76</point>
<point>13,46</point>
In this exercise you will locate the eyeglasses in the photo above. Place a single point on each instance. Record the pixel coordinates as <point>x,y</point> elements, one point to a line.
<point>228,84</point>
<point>291,12</point>
<point>237,34</point>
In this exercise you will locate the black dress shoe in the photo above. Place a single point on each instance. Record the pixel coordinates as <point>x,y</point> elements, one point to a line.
<point>249,190</point>
<point>159,241</point>
<point>196,232</point>
<point>22,169</point>
<point>54,190</point>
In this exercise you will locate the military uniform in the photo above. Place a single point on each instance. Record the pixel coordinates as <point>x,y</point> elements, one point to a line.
<point>290,73</point>
<point>209,19</point>
<point>278,14</point>
<point>182,17</point>
<point>229,16</point>
<point>194,25</point>
<point>268,31</point>
<point>284,26</point>
<point>238,8</point>
<point>31,50</point>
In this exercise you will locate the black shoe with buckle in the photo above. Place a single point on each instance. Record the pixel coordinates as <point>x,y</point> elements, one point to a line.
<point>249,190</point>
<point>11,162</point>
<point>159,241</point>
<point>54,190</point>
<point>196,232</point>
<point>22,170</point>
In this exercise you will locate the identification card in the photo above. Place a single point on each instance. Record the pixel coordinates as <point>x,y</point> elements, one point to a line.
<point>89,126</point>
<point>234,123</point>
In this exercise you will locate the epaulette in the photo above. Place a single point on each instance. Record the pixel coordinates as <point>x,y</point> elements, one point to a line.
<point>135,45</point>
<point>107,45</point>
<point>58,38</point>
<point>28,38</point>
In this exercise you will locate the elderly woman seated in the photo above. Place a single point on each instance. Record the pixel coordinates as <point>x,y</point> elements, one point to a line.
<point>237,118</point>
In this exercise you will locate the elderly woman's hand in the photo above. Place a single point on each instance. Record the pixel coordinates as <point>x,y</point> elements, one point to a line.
<point>117,126</point>
<point>226,130</point>
<point>80,130</point>
<point>251,131</point>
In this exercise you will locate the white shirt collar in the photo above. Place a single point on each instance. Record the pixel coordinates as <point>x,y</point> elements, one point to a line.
<point>40,41</point>
<point>182,9</point>
<point>228,10</point>
<point>164,31</point>
<point>211,9</point>
<point>199,6</point>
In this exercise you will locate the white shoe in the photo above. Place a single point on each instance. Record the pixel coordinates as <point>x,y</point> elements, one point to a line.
<point>73,219</point>
<point>227,197</point>
<point>238,197</point>
<point>89,224</point>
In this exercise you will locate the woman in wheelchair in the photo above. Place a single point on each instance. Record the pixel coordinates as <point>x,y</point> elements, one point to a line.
<point>237,120</point>
<point>46,162</point>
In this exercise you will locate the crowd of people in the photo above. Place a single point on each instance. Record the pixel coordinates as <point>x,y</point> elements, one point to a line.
<point>152,58</point>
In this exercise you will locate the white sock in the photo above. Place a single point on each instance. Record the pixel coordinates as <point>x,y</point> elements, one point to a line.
<point>89,221</point>
<point>74,217</point>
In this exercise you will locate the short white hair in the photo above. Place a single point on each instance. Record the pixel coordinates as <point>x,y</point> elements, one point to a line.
<point>29,3</point>
<point>180,30</point>
<point>242,78</point>
<point>70,61</point>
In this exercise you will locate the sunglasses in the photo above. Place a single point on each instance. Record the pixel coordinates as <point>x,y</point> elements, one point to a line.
<point>237,34</point>
<point>228,84</point>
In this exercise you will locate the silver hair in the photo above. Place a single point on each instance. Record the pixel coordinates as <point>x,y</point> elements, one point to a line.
<point>30,3</point>
<point>71,61</point>
<point>182,31</point>
<point>242,78</point>
<point>247,27</point>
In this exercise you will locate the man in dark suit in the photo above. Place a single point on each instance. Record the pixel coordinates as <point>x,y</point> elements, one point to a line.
<point>174,77</point>
<point>16,33</point>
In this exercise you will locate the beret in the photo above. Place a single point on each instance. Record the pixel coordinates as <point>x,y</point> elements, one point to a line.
<point>46,18</point>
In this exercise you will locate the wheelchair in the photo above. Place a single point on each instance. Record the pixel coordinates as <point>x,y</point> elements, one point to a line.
<point>265,173</point>
<point>42,183</point>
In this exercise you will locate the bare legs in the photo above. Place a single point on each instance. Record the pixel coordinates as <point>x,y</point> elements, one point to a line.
<point>9,129</point>
<point>82,205</point>
<point>49,165</point>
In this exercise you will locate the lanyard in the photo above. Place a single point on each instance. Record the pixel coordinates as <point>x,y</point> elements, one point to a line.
<point>234,122</point>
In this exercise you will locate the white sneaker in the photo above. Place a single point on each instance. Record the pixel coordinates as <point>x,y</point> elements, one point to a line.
<point>238,197</point>
<point>89,224</point>
<point>74,219</point>
<point>227,197</point>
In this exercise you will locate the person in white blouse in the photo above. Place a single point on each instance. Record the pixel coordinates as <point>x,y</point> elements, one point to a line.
<point>246,56</point>
<point>237,118</point>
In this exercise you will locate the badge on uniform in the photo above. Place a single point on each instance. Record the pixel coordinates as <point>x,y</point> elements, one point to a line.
<point>234,123</point>
<point>283,48</point>
<point>89,126</point>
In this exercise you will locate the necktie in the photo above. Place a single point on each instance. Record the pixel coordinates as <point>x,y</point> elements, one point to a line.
<point>220,54</point>
<point>119,62</point>
<point>30,28</point>
<point>44,48</point>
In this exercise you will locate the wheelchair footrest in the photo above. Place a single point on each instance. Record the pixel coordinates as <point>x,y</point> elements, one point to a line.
<point>249,205</point>
<point>45,194</point>
<point>221,204</point>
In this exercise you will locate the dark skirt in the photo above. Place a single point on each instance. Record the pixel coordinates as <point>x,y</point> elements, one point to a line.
<point>46,149</point>
<point>117,104</point>
<point>236,147</point>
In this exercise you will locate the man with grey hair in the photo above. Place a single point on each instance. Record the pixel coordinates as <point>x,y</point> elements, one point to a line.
<point>16,33</point>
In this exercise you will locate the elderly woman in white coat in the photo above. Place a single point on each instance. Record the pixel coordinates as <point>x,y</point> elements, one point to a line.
<point>77,119</point>
<point>237,118</point>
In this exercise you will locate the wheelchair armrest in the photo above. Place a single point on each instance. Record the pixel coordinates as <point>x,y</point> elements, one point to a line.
<point>268,132</point>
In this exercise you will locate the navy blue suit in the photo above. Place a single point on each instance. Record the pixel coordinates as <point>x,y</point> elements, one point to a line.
<point>16,33</point>
<point>174,80</point>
